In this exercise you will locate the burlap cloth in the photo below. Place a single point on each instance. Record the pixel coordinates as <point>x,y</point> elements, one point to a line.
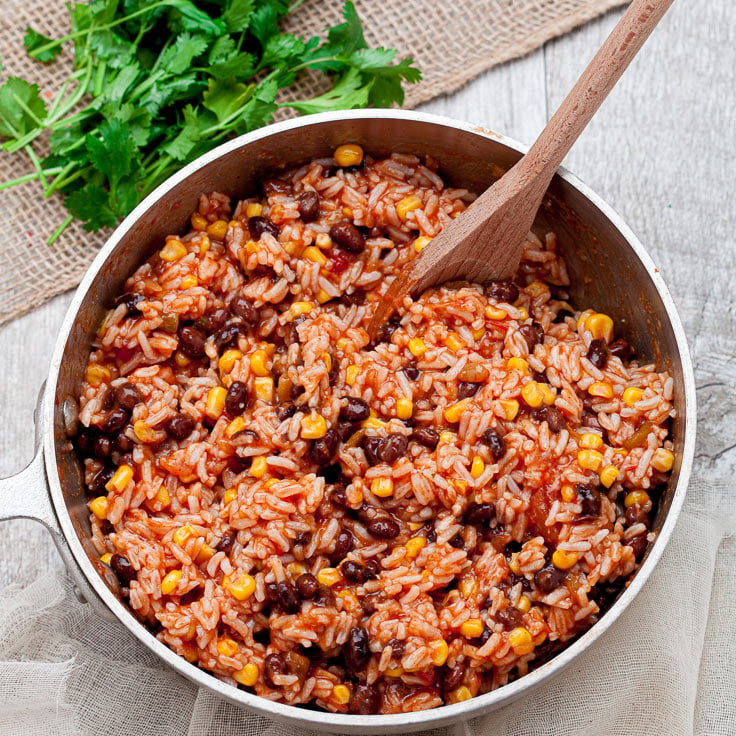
<point>451,42</point>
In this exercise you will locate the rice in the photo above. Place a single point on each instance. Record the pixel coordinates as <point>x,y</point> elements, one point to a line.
<point>363,527</point>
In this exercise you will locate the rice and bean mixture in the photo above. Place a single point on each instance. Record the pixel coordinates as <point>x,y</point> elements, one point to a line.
<point>364,527</point>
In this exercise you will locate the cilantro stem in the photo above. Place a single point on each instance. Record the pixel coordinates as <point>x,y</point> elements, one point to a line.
<point>29,177</point>
<point>60,183</point>
<point>59,179</point>
<point>59,230</point>
<point>37,165</point>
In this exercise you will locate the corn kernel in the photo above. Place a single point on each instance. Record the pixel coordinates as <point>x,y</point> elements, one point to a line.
<point>313,426</point>
<point>237,425</point>
<point>513,563</point>
<point>394,671</point>
<point>536,288</point>
<point>636,498</point>
<point>323,297</point>
<point>523,314</point>
<point>447,437</point>
<point>163,497</point>
<point>461,694</point>
<point>414,546</point>
<point>181,360</point>
<point>105,559</point>
<point>495,313</point>
<point>230,495</point>
<point>295,569</point>
<point>341,694</point>
<point>415,526</point>
<point>243,588</point>
<point>227,647</point>
<point>591,440</point>
<point>468,587</point>
<point>120,479</point>
<point>170,581</point>
<point>189,282</point>
<point>417,347</point>
<point>532,394</point>
<point>258,467</point>
<point>478,334</point>
<point>348,154</point>
<point>523,604</point>
<point>252,247</point>
<point>182,534</point>
<point>564,560</point>
<point>351,374</point>
<point>663,460</point>
<point>632,395</point>
<point>517,364</point>
<point>259,363</point>
<point>568,493</point>
<point>547,393</point>
<point>143,432</point>
<point>97,374</point>
<point>404,408</point>
<point>600,326</point>
<point>372,423</point>
<point>460,485</point>
<point>439,650</point>
<point>174,250</point>
<point>471,628</point>
<point>253,209</point>
<point>329,576</point>
<point>215,403</point>
<point>204,243</point>
<point>608,475</point>
<point>247,676</point>
<point>314,254</point>
<point>406,205</point>
<point>323,241</point>
<point>199,222</point>
<point>510,408</point>
<point>421,243</point>
<point>456,410</point>
<point>521,641</point>
<point>263,388</point>
<point>477,467</point>
<point>382,487</point>
<point>228,359</point>
<point>327,360</point>
<point>98,507</point>
<point>590,460</point>
<point>601,389</point>
<point>454,342</point>
<point>217,229</point>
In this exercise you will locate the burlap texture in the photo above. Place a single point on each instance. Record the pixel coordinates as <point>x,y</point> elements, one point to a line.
<point>451,43</point>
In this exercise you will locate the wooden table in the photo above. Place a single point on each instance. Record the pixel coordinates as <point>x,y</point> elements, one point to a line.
<point>660,151</point>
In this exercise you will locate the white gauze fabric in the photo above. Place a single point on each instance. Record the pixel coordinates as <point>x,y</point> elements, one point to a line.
<point>668,666</point>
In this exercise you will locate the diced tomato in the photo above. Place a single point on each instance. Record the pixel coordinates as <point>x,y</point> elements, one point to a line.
<point>340,260</point>
<point>539,507</point>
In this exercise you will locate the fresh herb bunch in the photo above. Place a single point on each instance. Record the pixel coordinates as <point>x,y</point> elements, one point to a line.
<point>157,83</point>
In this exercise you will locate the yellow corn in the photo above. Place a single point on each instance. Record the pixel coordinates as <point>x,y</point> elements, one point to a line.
<point>253,209</point>
<point>237,425</point>
<point>521,641</point>
<point>327,360</point>
<point>394,671</point>
<point>421,243</point>
<point>536,288</point>
<point>547,393</point>
<point>105,559</point>
<point>439,650</point>
<point>97,374</point>
<point>243,588</point>
<point>297,309</point>
<point>143,432</point>
<point>313,426</point>
<point>230,495</point>
<point>252,247</point>
<point>600,326</point>
<point>174,250</point>
<point>477,467</point>
<point>329,576</point>
<point>263,388</point>
<point>323,297</point>
<point>227,647</point>
<point>523,314</point>
<point>119,481</point>
<point>608,475</point>
<point>215,403</point>
<point>523,604</point>
<point>341,694</point>
<point>204,243</point>
<point>532,394</point>
<point>477,334</point>
<point>414,546</point>
<point>170,581</point>
<point>323,241</point>
<point>510,408</point>
<point>228,359</point>
<point>182,534</point>
<point>601,389</point>
<point>372,423</point>
<point>181,360</point>
<point>404,408</point>
<point>312,253</point>
<point>468,587</point>
<point>258,467</point>
<point>663,460</point>
<point>568,493</point>
<point>591,441</point>
<point>98,507</point>
<point>636,498</point>
<point>417,347</point>
<point>199,222</point>
<point>513,563</point>
<point>163,497</point>
<point>295,569</point>
<point>461,694</point>
<point>632,395</point>
<point>495,313</point>
<point>415,526</point>
<point>406,205</point>
<point>259,363</point>
<point>517,364</point>
<point>447,437</point>
<point>248,676</point>
<point>351,374</point>
<point>456,410</point>
<point>382,487</point>
<point>189,282</point>
<point>590,460</point>
<point>460,485</point>
<point>454,342</point>
<point>564,560</point>
<point>348,154</point>
<point>293,248</point>
<point>217,229</point>
<point>471,628</point>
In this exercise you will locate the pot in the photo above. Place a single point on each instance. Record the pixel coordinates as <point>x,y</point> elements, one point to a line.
<point>610,269</point>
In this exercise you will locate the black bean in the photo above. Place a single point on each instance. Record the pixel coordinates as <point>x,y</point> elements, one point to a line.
<point>275,186</point>
<point>466,389</point>
<point>562,315</point>
<point>339,496</point>
<point>303,538</point>
<point>353,298</point>
<point>226,542</point>
<point>372,448</point>
<point>102,447</point>
<point>344,543</point>
<point>479,513</point>
<point>272,592</point>
<point>324,597</point>
<point>191,342</point>
<point>495,443</point>
<point>598,353</point>
<point>307,585</point>
<point>229,334</point>
<point>398,647</point>
<point>384,528</point>
<point>370,570</point>
<point>426,436</point>
<point>180,426</point>
<point>85,441</point>
<point>639,545</point>
<point>241,307</point>
<point>298,664</point>
<point>371,601</point>
<point>116,420</point>
<point>308,204</point>
<point>191,596</point>
<point>431,534</point>
<point>548,578</point>
<point>131,302</point>
<point>127,396</point>
<point>353,571</point>
<point>258,225</point>
<point>552,415</point>
<point>394,447</point>
<point>539,330</point>
<point>365,700</point>
<point>99,479</point>
<point>452,677</point>
<point>411,372</point>
<point>356,652</point>
<point>121,566</point>
<point>289,597</point>
<point>345,430</point>
<point>275,664</point>
<point>356,410</point>
<point>322,451</point>
<point>123,442</point>
<point>108,399</point>
<point>621,349</point>
<point>510,617</point>
<point>347,237</point>
<point>236,398</point>
<point>635,514</point>
<point>213,321</point>
<point>285,411</point>
<point>530,336</point>
<point>590,500</point>
<point>457,541</point>
<point>502,291</point>
<point>385,331</point>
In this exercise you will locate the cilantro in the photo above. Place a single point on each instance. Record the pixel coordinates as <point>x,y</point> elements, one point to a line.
<point>157,83</point>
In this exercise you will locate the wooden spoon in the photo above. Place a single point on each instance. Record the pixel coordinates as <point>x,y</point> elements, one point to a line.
<point>485,243</point>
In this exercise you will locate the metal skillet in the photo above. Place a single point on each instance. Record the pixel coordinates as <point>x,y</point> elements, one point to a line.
<point>610,271</point>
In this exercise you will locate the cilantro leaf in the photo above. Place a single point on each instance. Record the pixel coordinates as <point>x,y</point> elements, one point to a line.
<point>240,65</point>
<point>224,97</point>
<point>348,36</point>
<point>237,15</point>
<point>349,92</point>
<point>187,16</point>
<point>91,204</point>
<point>222,50</point>
<point>177,58</point>
<point>260,108</point>
<point>264,21</point>
<point>33,40</point>
<point>21,108</point>
<point>189,135</point>
<point>281,50</point>
<point>114,153</point>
